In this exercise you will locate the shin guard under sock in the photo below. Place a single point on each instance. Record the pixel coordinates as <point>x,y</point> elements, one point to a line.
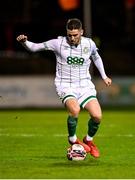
<point>71,124</point>
<point>92,127</point>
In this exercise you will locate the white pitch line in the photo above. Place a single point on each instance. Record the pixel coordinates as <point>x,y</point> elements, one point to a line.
<point>60,135</point>
<point>125,135</point>
<point>100,135</point>
<point>21,135</point>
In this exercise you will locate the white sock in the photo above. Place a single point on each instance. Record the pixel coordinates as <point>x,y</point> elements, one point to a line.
<point>88,138</point>
<point>73,138</point>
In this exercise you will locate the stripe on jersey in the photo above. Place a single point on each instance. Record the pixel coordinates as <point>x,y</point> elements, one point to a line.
<point>82,105</point>
<point>79,66</point>
<point>46,47</point>
<point>70,66</point>
<point>61,57</point>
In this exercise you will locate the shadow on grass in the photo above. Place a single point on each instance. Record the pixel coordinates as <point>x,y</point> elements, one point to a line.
<point>68,164</point>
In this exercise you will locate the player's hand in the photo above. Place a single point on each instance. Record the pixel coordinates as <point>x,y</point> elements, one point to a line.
<point>21,38</point>
<point>108,81</point>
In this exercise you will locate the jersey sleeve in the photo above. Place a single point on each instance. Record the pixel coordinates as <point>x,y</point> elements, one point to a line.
<point>35,47</point>
<point>98,61</point>
<point>51,44</point>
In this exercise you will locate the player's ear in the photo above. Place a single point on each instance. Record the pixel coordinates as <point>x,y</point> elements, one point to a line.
<point>81,32</point>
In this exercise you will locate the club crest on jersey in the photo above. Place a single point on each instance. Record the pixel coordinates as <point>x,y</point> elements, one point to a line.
<point>85,50</point>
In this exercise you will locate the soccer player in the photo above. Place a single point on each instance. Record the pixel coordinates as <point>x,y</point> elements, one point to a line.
<point>74,87</point>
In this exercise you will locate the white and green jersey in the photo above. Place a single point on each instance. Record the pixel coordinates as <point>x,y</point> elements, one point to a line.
<point>73,62</point>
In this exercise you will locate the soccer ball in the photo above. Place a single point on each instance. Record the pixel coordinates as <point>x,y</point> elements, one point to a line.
<point>76,152</point>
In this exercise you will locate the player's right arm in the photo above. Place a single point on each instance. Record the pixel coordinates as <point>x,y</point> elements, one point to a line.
<point>31,46</point>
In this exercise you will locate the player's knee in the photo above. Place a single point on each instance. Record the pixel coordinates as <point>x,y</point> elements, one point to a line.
<point>75,111</point>
<point>97,117</point>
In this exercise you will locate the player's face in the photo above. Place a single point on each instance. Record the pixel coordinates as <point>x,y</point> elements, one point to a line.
<point>74,36</point>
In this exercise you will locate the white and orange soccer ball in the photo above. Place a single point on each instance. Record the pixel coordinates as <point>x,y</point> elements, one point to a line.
<point>76,152</point>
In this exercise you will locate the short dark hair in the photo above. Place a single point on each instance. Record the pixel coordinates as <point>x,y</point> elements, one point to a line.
<point>74,23</point>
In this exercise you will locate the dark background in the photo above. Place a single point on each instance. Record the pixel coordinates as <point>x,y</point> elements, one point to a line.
<point>112,27</point>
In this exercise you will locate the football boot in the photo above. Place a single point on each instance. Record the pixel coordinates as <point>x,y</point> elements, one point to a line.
<point>78,141</point>
<point>93,149</point>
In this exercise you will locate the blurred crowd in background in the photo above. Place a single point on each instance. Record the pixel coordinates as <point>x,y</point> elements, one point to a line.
<point>112,24</point>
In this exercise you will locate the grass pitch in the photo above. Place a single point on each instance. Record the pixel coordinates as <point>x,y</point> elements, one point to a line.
<point>33,145</point>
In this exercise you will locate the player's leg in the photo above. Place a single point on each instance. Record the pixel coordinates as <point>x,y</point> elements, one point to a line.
<point>94,109</point>
<point>68,98</point>
<point>89,101</point>
<point>73,108</point>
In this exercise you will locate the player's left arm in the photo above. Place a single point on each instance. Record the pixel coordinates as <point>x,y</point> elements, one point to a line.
<point>99,64</point>
<point>107,81</point>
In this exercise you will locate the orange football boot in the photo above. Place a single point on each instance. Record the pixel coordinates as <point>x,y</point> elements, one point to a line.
<point>93,149</point>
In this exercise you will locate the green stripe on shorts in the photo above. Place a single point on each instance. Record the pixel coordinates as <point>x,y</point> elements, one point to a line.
<point>67,97</point>
<point>87,100</point>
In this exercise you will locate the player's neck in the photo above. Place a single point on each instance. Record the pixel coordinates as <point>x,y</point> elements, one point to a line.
<point>73,45</point>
